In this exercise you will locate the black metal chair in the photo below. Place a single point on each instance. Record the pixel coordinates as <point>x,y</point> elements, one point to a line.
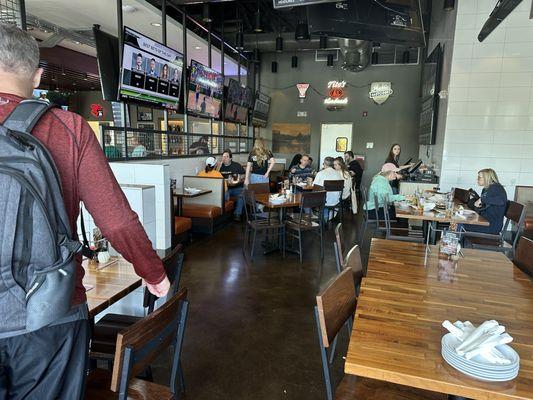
<point>367,218</point>
<point>303,221</point>
<point>339,248</point>
<point>515,215</point>
<point>396,231</point>
<point>255,223</point>
<point>106,330</point>
<point>336,186</point>
<point>137,347</point>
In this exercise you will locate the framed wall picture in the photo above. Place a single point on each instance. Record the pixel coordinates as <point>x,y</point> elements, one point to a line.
<point>291,138</point>
<point>341,144</point>
<point>144,114</point>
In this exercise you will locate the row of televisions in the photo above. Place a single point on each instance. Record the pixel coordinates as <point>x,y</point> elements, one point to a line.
<point>152,73</point>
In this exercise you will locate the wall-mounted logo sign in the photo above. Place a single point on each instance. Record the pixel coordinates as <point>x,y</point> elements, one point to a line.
<point>336,94</point>
<point>302,90</point>
<point>380,91</point>
<point>97,110</point>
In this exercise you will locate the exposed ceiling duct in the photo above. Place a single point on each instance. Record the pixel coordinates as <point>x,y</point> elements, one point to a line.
<point>356,54</point>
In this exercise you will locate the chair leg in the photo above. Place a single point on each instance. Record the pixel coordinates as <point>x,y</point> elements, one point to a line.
<point>253,246</point>
<point>181,377</point>
<point>332,350</point>
<point>321,244</point>
<point>300,245</point>
<point>324,355</point>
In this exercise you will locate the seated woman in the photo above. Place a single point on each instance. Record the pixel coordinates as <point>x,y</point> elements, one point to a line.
<point>381,187</point>
<point>211,172</point>
<point>492,204</point>
<point>340,166</point>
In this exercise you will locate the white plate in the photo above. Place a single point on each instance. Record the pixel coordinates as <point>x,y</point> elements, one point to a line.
<point>450,342</point>
<point>483,377</point>
<point>464,364</point>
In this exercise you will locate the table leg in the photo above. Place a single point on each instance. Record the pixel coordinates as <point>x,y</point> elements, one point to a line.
<point>180,206</point>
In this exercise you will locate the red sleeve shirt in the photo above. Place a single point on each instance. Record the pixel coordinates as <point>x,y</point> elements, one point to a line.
<point>86,176</point>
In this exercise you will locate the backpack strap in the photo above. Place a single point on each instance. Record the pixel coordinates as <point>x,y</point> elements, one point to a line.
<point>26,115</point>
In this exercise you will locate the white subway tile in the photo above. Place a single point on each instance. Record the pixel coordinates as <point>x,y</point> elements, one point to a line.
<point>508,178</point>
<point>507,150</point>
<point>527,138</point>
<point>511,108</point>
<point>485,7</point>
<point>466,7</point>
<point>462,51</point>
<point>527,164</point>
<point>452,162</point>
<point>457,108</point>
<point>508,137</point>
<point>486,65</point>
<point>519,34</point>
<point>507,165</point>
<point>512,123</point>
<point>527,151</point>
<point>475,163</point>
<point>517,64</point>
<point>465,21</point>
<point>480,20</point>
<point>520,79</point>
<point>515,94</point>
<point>525,179</point>
<point>483,94</point>
<point>520,50</point>
<point>460,80</point>
<point>465,36</point>
<point>496,36</point>
<point>479,150</point>
<point>458,94</point>
<point>484,79</point>
<point>461,65</point>
<point>518,19</point>
<point>482,108</point>
<point>487,50</point>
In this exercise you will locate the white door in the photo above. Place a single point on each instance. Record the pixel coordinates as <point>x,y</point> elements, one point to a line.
<point>334,137</point>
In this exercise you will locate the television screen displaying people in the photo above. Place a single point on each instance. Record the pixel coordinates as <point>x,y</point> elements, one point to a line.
<point>261,109</point>
<point>151,72</point>
<point>205,91</point>
<point>237,100</point>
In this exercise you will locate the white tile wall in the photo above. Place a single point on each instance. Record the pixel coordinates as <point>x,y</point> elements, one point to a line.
<point>490,105</point>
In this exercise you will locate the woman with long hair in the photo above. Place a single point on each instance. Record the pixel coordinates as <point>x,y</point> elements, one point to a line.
<point>491,205</point>
<point>394,158</point>
<point>340,166</point>
<point>260,163</point>
<point>295,161</point>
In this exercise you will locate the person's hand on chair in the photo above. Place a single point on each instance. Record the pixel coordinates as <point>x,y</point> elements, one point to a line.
<point>159,289</point>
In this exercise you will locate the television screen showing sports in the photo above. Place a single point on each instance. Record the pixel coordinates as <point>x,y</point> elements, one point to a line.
<point>206,88</point>
<point>236,109</point>
<point>151,72</point>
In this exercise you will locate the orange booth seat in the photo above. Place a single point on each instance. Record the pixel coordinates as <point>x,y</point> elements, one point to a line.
<point>209,211</point>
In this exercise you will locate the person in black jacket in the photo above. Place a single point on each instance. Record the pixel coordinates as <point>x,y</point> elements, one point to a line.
<point>492,204</point>
<point>354,169</point>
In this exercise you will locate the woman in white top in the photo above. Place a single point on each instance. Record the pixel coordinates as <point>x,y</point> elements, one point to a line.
<point>340,167</point>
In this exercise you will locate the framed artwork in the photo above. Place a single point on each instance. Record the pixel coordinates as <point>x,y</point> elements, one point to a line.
<point>341,144</point>
<point>291,138</point>
<point>144,114</point>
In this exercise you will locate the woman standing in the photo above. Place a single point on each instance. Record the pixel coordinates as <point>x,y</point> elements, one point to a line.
<point>260,163</point>
<point>492,204</point>
<point>394,158</point>
<point>340,166</point>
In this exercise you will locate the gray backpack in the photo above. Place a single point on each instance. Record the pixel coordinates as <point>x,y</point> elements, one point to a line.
<point>37,263</point>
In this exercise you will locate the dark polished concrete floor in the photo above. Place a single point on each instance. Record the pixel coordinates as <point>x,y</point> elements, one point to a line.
<point>251,331</point>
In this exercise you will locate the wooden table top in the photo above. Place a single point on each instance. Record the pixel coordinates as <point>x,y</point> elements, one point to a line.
<point>181,193</point>
<point>108,285</point>
<point>397,331</point>
<point>292,201</point>
<point>439,216</point>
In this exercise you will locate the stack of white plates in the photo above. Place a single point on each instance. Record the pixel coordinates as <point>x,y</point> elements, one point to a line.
<point>478,367</point>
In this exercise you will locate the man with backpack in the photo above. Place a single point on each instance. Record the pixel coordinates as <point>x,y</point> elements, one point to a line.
<point>50,160</point>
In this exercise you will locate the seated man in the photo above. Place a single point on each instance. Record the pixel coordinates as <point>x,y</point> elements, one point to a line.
<point>302,170</point>
<point>234,173</point>
<point>328,174</point>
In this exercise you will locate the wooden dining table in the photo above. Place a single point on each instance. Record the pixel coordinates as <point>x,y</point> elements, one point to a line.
<point>397,331</point>
<point>181,193</point>
<point>106,285</point>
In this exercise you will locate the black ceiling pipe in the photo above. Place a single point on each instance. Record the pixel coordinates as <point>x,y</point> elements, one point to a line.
<point>323,42</point>
<point>294,62</point>
<point>330,60</point>
<point>375,58</point>
<point>279,44</point>
<point>302,31</point>
<point>449,5</point>
<point>239,41</point>
<point>274,67</point>
<point>256,56</point>
<point>257,23</point>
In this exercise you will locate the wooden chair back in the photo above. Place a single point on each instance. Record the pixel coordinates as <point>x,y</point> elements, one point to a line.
<point>335,305</point>
<point>461,195</point>
<point>516,212</point>
<point>250,205</point>
<point>313,199</point>
<point>523,257</point>
<point>139,345</point>
<point>340,245</point>
<point>354,262</point>
<point>259,187</point>
<point>334,186</point>
<point>173,264</point>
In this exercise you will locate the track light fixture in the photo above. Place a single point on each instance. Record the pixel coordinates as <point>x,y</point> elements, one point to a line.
<point>302,31</point>
<point>449,5</point>
<point>375,58</point>
<point>279,44</point>
<point>239,40</point>
<point>330,60</point>
<point>206,16</point>
<point>256,56</point>
<point>274,67</point>
<point>405,57</point>
<point>323,42</point>
<point>294,62</point>
<point>257,22</point>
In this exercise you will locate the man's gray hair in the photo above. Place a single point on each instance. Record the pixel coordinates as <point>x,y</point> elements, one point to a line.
<point>329,161</point>
<point>19,52</point>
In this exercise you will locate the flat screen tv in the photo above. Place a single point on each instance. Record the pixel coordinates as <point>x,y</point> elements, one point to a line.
<point>108,63</point>
<point>261,109</point>
<point>151,72</point>
<point>205,91</point>
<point>429,108</point>
<point>236,109</point>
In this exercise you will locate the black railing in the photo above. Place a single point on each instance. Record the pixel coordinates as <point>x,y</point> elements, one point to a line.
<point>121,144</point>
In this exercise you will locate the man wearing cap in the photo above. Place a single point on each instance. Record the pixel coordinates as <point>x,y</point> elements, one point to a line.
<point>381,188</point>
<point>211,172</point>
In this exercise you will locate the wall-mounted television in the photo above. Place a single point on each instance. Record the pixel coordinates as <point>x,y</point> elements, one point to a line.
<point>205,91</point>
<point>108,63</point>
<point>151,72</point>
<point>429,107</point>
<point>261,109</point>
<point>237,102</point>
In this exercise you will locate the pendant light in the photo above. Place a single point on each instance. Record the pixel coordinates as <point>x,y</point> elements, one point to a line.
<point>274,67</point>
<point>294,62</point>
<point>279,44</point>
